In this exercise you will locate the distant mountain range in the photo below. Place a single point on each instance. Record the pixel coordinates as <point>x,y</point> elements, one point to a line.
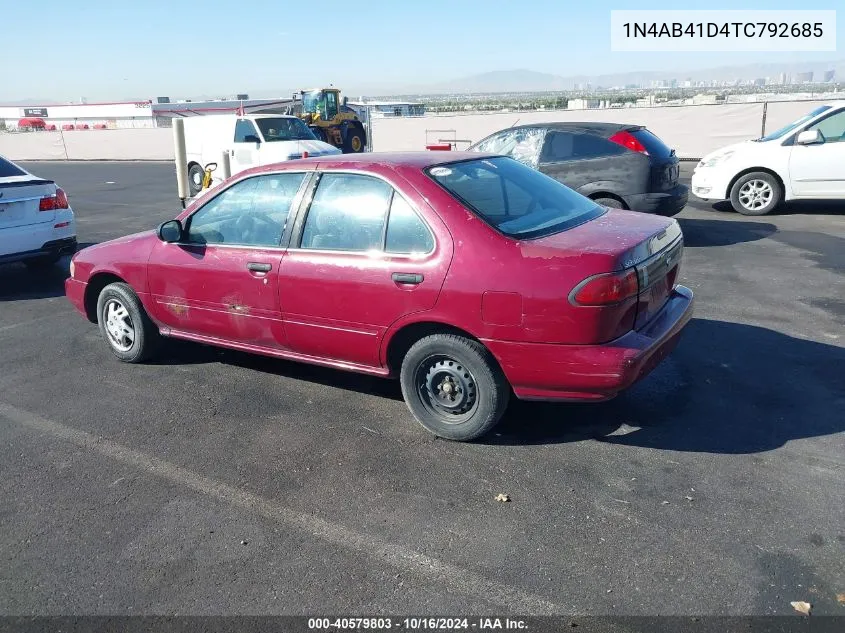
<point>523,80</point>
<point>530,81</point>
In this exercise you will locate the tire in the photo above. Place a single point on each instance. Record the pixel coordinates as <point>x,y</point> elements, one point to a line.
<point>354,141</point>
<point>757,193</point>
<point>42,263</point>
<point>474,393</point>
<point>613,203</point>
<point>195,177</point>
<point>119,303</point>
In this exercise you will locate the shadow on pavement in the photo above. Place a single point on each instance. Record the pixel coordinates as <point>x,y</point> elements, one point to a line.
<point>700,233</point>
<point>727,388</point>
<point>17,282</point>
<point>793,207</point>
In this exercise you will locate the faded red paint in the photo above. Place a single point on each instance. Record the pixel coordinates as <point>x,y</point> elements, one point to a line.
<point>344,309</point>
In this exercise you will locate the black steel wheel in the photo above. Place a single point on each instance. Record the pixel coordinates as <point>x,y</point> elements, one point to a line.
<point>453,386</point>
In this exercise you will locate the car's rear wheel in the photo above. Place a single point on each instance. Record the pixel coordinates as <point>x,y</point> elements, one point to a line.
<point>124,324</point>
<point>613,203</point>
<point>453,386</point>
<point>756,193</point>
<point>195,178</point>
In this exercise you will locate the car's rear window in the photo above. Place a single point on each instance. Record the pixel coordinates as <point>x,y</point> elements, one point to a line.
<point>8,169</point>
<point>517,200</point>
<point>653,145</point>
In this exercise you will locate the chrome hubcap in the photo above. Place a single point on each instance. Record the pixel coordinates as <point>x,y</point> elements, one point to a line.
<point>755,194</point>
<point>119,325</point>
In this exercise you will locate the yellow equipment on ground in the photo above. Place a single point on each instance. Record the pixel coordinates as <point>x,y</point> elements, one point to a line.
<point>331,119</point>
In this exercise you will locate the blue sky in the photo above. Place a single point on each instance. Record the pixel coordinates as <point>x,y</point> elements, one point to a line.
<point>103,49</point>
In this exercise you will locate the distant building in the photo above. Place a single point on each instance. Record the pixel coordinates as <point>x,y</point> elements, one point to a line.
<point>783,79</point>
<point>707,99</point>
<point>382,109</point>
<point>583,104</point>
<point>804,78</point>
<point>760,81</point>
<point>829,75</point>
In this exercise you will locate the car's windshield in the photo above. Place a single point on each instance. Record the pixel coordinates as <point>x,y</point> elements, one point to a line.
<point>788,128</point>
<point>284,129</point>
<point>517,200</point>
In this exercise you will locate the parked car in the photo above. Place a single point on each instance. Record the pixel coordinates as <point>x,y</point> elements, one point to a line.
<point>619,166</point>
<point>465,276</point>
<point>803,160</point>
<point>37,225</point>
<point>250,140</point>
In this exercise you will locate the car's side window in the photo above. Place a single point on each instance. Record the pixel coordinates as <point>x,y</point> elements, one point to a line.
<point>245,131</point>
<point>832,128</point>
<point>587,146</point>
<point>347,213</point>
<point>558,147</point>
<point>406,232</point>
<point>253,212</point>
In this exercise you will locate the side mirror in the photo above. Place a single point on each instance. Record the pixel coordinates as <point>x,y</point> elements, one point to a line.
<point>809,137</point>
<point>345,100</point>
<point>170,232</point>
<point>252,138</point>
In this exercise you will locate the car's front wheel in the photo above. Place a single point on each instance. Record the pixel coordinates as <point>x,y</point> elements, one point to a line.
<point>756,193</point>
<point>453,386</point>
<point>124,324</point>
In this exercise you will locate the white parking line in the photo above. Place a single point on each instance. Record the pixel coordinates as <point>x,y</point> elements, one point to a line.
<point>455,579</point>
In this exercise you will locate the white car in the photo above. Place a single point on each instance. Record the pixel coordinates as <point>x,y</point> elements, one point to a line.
<point>804,160</point>
<point>37,225</point>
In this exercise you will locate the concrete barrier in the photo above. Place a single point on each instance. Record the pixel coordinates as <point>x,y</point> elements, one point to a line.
<point>121,144</point>
<point>692,131</point>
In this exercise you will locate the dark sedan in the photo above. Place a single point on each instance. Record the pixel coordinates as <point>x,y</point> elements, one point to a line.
<point>617,165</point>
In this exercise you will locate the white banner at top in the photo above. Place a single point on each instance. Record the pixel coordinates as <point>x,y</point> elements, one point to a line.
<point>723,30</point>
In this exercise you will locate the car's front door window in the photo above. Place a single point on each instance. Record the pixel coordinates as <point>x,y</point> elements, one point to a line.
<point>832,128</point>
<point>253,212</point>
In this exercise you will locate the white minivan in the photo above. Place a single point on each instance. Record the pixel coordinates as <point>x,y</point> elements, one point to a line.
<point>249,140</point>
<point>803,160</point>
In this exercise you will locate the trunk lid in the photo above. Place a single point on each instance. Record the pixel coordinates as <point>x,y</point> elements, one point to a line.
<point>623,240</point>
<point>20,198</point>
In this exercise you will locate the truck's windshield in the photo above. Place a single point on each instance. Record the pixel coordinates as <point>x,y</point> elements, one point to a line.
<point>284,129</point>
<point>310,100</point>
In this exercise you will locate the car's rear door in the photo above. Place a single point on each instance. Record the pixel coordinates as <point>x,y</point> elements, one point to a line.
<point>587,163</point>
<point>221,281</point>
<point>362,256</point>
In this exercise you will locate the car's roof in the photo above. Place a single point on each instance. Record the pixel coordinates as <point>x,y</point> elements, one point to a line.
<point>369,160</point>
<point>594,127</point>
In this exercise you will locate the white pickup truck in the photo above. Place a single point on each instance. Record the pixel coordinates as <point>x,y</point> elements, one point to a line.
<point>250,140</point>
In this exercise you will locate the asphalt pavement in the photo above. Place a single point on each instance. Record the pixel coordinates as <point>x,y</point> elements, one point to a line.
<point>213,482</point>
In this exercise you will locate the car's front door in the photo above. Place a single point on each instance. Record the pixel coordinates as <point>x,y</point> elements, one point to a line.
<point>361,258</point>
<point>221,281</point>
<point>245,146</point>
<point>818,170</point>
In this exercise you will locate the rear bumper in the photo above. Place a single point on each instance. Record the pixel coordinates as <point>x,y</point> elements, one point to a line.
<point>53,248</point>
<point>539,371</point>
<point>668,203</point>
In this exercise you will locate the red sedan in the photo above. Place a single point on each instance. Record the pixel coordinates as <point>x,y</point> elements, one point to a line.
<point>468,276</point>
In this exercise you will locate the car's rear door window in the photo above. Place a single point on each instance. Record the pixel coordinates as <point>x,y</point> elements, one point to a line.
<point>348,213</point>
<point>517,200</point>
<point>406,232</point>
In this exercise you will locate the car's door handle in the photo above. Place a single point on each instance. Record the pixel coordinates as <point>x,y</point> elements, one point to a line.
<point>407,278</point>
<point>259,268</point>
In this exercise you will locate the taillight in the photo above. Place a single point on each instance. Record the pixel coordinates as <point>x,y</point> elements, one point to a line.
<point>54,202</point>
<point>606,289</point>
<point>628,140</point>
